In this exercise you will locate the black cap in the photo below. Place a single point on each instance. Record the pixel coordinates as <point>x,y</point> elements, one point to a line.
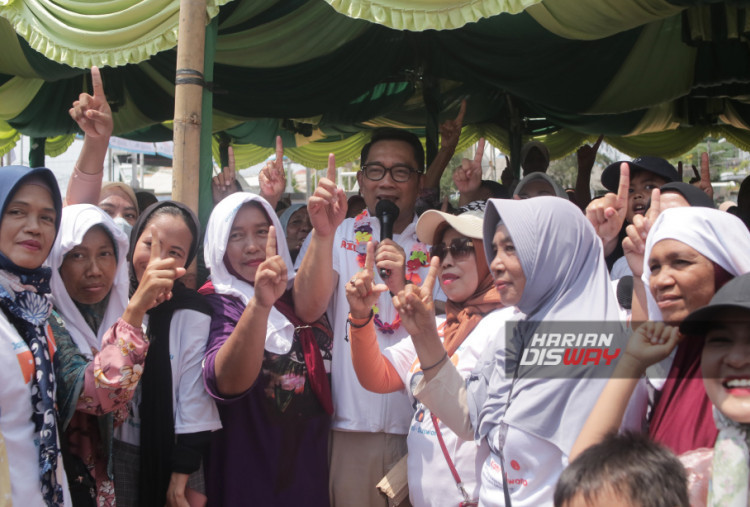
<point>734,295</point>
<point>656,165</point>
<point>692,194</point>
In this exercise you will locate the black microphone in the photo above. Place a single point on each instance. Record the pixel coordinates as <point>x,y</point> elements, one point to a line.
<point>387,213</point>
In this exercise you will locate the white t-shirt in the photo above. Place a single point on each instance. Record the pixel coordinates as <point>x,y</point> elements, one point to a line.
<point>532,465</point>
<point>355,408</point>
<point>16,369</point>
<point>194,409</point>
<point>620,268</point>
<point>430,478</point>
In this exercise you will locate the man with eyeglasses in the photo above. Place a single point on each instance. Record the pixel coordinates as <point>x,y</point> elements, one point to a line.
<point>369,429</point>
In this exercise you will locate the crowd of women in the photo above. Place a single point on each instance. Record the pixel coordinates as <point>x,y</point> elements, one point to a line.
<point>121,385</point>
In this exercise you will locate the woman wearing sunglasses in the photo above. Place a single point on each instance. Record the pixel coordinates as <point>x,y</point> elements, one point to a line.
<point>442,468</point>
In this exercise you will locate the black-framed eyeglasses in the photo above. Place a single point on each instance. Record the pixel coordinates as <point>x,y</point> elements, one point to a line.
<point>460,248</point>
<point>400,173</point>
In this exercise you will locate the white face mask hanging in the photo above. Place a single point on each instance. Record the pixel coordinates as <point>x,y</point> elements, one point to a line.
<point>123,225</point>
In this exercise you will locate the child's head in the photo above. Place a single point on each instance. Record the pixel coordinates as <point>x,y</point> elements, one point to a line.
<point>646,174</point>
<point>623,470</point>
<point>724,324</point>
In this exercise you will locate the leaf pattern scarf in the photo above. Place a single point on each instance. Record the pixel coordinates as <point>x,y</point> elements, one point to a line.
<point>731,464</point>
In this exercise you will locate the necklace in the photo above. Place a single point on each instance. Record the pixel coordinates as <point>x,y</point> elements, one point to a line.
<point>418,258</point>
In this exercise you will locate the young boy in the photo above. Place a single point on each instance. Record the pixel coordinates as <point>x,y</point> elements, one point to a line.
<point>623,470</point>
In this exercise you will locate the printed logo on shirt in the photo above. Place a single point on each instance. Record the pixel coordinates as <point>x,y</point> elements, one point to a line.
<point>513,481</point>
<point>348,245</point>
<point>26,362</point>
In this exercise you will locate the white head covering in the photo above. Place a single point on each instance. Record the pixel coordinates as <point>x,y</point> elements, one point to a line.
<point>287,214</point>
<point>76,222</point>
<point>719,236</point>
<point>566,280</point>
<point>280,331</point>
<point>559,191</point>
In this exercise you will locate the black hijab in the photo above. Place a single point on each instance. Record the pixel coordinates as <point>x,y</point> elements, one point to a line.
<point>160,453</point>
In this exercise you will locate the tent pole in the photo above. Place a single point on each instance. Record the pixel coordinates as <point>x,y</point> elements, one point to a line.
<point>205,196</point>
<point>515,134</point>
<point>431,98</point>
<point>187,102</point>
<point>36,151</point>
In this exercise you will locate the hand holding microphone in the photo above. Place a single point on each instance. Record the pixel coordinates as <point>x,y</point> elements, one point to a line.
<point>387,213</point>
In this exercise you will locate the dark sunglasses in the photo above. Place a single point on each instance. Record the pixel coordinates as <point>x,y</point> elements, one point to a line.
<point>459,248</point>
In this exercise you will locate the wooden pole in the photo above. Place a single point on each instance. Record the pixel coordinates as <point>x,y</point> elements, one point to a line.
<point>187,102</point>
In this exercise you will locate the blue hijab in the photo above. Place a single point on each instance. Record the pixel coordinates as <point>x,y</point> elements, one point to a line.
<point>27,310</point>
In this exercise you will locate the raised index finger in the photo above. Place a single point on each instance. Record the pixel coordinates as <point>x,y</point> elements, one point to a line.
<point>230,159</point>
<point>271,242</point>
<point>655,207</point>
<point>705,171</point>
<point>429,281</point>
<point>623,188</point>
<point>96,82</point>
<point>461,113</point>
<point>331,174</point>
<point>155,244</point>
<point>279,149</point>
<point>370,257</point>
<point>480,151</point>
<point>598,142</point>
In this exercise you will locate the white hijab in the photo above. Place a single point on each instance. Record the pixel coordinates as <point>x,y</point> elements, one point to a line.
<point>566,280</point>
<point>75,223</point>
<point>717,235</point>
<point>280,331</point>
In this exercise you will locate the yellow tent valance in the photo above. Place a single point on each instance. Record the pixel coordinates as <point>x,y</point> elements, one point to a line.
<point>419,15</point>
<point>82,34</point>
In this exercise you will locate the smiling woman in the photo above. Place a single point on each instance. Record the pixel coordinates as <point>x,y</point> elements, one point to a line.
<point>683,268</point>
<point>29,225</point>
<point>265,367</point>
<point>29,219</point>
<point>474,313</point>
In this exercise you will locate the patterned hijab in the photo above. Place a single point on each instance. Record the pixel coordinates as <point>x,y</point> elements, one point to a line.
<point>24,298</point>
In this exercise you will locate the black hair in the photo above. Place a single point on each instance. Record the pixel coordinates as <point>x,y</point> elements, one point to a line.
<point>393,134</point>
<point>145,199</point>
<point>496,190</point>
<point>175,212</point>
<point>631,466</point>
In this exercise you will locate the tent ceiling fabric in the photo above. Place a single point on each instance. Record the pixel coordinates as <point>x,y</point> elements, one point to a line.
<point>82,34</point>
<point>654,76</point>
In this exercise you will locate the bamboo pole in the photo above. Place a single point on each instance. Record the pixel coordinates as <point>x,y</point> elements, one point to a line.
<point>187,102</point>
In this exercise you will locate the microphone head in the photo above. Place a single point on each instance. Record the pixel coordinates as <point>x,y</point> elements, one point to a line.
<point>386,208</point>
<point>625,292</point>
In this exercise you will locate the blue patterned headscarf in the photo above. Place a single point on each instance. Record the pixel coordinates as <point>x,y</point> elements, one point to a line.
<point>25,302</point>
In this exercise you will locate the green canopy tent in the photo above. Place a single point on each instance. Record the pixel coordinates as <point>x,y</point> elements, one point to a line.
<point>654,76</point>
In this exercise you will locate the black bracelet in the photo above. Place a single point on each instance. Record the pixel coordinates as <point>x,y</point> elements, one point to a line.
<point>445,356</point>
<point>358,326</point>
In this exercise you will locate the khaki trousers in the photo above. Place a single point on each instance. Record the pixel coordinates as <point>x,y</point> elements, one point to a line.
<point>358,461</point>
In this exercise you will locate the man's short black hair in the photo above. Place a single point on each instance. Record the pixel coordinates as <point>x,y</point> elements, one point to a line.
<point>630,465</point>
<point>392,134</point>
<point>495,189</point>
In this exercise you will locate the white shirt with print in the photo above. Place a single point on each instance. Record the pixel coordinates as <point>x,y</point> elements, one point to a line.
<point>355,408</point>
